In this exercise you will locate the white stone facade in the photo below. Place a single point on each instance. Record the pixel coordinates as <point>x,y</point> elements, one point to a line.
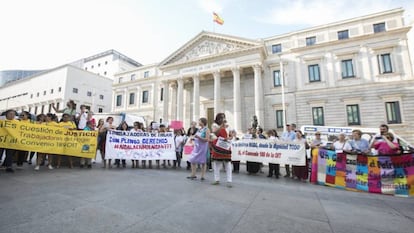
<point>356,72</point>
<point>57,86</point>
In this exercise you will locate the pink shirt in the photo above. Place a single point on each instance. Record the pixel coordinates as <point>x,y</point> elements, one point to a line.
<point>384,149</point>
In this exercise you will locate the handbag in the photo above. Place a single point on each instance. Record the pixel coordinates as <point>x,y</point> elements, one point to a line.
<point>223,144</point>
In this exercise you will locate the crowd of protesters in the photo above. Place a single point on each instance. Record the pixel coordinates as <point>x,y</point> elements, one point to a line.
<point>205,153</point>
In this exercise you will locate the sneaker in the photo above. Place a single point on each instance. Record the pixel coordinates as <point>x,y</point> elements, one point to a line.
<point>37,168</point>
<point>50,167</point>
<point>215,183</point>
<point>89,166</point>
<point>229,185</point>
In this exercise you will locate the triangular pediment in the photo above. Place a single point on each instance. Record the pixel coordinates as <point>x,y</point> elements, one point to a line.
<point>206,45</point>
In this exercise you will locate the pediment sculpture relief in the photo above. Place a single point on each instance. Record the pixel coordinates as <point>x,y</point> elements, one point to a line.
<point>207,48</point>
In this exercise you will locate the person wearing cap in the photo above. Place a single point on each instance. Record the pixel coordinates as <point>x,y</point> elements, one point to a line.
<point>8,161</point>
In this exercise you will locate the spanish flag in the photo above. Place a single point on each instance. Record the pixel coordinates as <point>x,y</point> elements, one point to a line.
<point>217,18</point>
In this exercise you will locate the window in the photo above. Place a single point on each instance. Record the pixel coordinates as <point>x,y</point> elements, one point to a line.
<point>314,75</point>
<point>51,91</point>
<point>132,77</point>
<point>101,97</point>
<point>343,35</point>
<point>37,95</point>
<point>105,73</point>
<point>276,78</point>
<point>145,97</point>
<point>106,62</point>
<point>146,74</point>
<point>57,105</point>
<point>75,90</point>
<point>99,64</point>
<point>43,109</point>
<point>118,100</point>
<point>279,119</point>
<point>393,112</point>
<point>347,69</point>
<point>86,68</point>
<point>100,110</point>
<point>276,48</point>
<point>317,115</point>
<point>384,63</point>
<point>31,96</point>
<point>89,93</point>
<point>44,92</point>
<point>60,89</point>
<point>379,27</point>
<point>352,112</point>
<point>120,79</point>
<point>162,94</point>
<point>30,109</point>
<point>310,40</point>
<point>92,67</point>
<point>131,98</point>
<point>50,108</point>
<point>35,110</point>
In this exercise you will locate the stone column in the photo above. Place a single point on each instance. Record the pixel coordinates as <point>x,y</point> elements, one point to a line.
<point>196,97</point>
<point>180,96</point>
<point>258,94</point>
<point>236,99</point>
<point>174,101</point>
<point>217,92</point>
<point>166,100</point>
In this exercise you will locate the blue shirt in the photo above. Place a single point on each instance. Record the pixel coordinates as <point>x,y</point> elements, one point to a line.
<point>360,145</point>
<point>288,136</point>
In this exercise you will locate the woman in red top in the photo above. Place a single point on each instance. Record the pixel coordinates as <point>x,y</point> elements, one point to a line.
<point>220,154</point>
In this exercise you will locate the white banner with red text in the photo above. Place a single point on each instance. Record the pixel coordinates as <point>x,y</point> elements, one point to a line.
<point>139,145</point>
<point>269,151</point>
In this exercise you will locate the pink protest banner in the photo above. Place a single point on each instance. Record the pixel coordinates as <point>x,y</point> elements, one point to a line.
<point>176,125</point>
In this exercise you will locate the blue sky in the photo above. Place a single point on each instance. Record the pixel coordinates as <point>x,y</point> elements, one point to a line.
<point>47,33</point>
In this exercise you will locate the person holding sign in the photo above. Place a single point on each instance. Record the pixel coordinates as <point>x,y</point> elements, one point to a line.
<point>67,123</point>
<point>199,154</point>
<point>221,151</point>
<point>301,172</point>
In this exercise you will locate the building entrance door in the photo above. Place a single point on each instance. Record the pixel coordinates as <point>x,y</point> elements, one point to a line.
<point>210,117</point>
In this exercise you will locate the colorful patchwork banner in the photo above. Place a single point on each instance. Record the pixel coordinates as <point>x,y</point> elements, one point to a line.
<point>47,139</point>
<point>392,175</point>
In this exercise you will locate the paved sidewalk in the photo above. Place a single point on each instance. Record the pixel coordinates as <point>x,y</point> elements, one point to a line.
<point>143,200</point>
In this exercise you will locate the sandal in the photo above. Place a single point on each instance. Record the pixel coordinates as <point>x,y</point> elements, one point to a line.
<point>191,177</point>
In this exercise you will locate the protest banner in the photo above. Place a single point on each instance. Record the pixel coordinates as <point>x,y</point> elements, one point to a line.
<point>139,145</point>
<point>269,151</point>
<point>47,139</point>
<point>383,174</point>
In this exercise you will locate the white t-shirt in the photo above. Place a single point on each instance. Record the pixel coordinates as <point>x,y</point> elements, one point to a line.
<point>340,146</point>
<point>83,118</point>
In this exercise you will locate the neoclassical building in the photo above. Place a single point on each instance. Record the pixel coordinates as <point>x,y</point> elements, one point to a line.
<point>357,72</point>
